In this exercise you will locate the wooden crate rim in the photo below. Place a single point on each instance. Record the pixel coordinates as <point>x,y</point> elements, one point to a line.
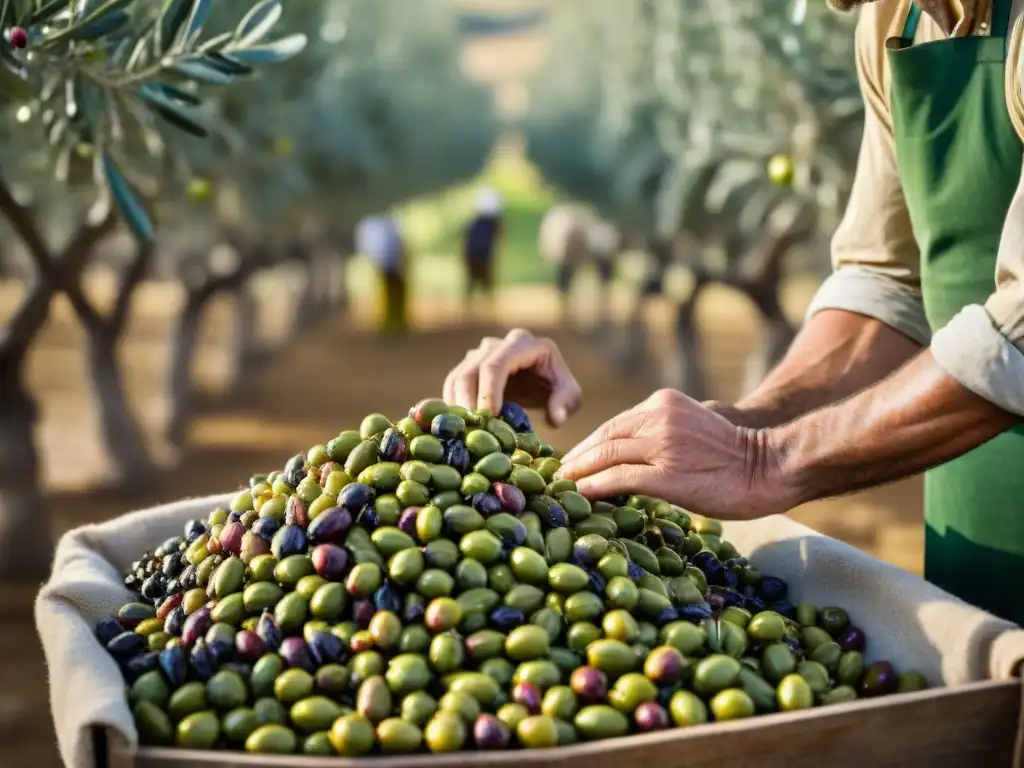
<point>123,757</point>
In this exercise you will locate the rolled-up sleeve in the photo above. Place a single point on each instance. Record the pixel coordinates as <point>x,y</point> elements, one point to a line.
<point>874,256</point>
<point>982,347</point>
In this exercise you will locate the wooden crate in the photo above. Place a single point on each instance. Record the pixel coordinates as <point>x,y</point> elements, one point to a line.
<point>978,724</point>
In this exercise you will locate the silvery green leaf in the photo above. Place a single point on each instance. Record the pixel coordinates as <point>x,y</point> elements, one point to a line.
<point>195,69</point>
<point>255,25</point>
<point>196,19</point>
<point>271,53</point>
<point>172,16</point>
<point>132,211</point>
<point>171,112</point>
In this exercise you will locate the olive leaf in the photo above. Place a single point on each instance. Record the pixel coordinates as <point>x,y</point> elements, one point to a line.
<point>196,69</point>
<point>99,27</point>
<point>215,42</point>
<point>174,114</point>
<point>172,16</point>
<point>177,94</point>
<point>129,206</point>
<point>255,25</point>
<point>98,19</point>
<point>196,19</point>
<point>226,64</point>
<point>271,53</point>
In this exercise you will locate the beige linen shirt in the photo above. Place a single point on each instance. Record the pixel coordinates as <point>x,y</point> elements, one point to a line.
<point>874,255</point>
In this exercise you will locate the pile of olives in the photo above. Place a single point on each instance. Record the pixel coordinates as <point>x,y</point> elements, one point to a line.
<point>429,585</point>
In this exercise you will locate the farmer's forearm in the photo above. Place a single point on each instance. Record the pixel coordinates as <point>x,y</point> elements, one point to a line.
<point>835,355</point>
<point>914,420</point>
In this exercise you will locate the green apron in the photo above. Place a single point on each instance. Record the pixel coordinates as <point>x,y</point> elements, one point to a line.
<point>960,161</point>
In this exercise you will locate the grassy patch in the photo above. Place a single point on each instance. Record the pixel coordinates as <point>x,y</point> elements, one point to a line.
<point>433,229</point>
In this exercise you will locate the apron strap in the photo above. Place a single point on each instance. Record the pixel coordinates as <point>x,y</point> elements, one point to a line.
<point>910,27</point>
<point>1000,22</point>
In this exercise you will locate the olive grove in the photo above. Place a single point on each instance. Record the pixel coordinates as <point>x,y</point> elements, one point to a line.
<point>202,143</point>
<point>663,116</point>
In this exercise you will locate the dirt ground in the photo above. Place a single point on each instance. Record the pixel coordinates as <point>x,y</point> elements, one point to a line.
<point>324,381</point>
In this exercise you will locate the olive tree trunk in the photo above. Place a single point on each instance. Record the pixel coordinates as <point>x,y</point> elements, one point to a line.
<point>245,349</point>
<point>26,530</point>
<point>123,436</point>
<point>180,387</point>
<point>26,533</point>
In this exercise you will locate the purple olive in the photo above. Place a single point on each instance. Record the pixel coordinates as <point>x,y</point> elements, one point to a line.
<point>486,503</point>
<point>880,679</point>
<point>330,526</point>
<point>326,648</point>
<point>784,608</point>
<point>193,530</point>
<point>635,572</point>
<point>174,624</point>
<point>386,598</point>
<point>296,653</point>
<point>362,612</point>
<point>369,518</point>
<point>249,646</point>
<point>589,684</point>
<point>727,596</point>
<point>511,498</point>
<point>174,663</point>
<point>393,446</point>
<point>729,578</point>
<point>550,511</point>
<point>852,639</point>
<point>196,626</point>
<point>528,695</point>
<point>290,540</point>
<point>140,664</point>
<point>517,418</point>
<point>664,665</point>
<point>696,612</point>
<point>754,604</point>
<point>447,426</point>
<point>265,528</point>
<point>490,733</point>
<point>330,561</point>
<point>667,616</point>
<point>222,650</point>
<point>295,512</point>
<point>269,631</point>
<point>456,455</point>
<point>230,538</point>
<point>108,629</point>
<point>597,585</point>
<point>651,716</point>
<point>507,618</point>
<point>407,522</point>
<point>355,496</point>
<point>203,662</point>
<point>773,588</point>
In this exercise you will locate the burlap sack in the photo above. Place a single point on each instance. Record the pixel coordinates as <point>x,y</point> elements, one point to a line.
<point>907,620</point>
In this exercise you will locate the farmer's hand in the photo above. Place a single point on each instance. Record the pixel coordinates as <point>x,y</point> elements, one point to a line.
<point>672,447</point>
<point>521,368</point>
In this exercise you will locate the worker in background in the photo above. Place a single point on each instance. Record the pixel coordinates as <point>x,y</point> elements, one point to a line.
<point>563,242</point>
<point>480,246</point>
<point>379,239</point>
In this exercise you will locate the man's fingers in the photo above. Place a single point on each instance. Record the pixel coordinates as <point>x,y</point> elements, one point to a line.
<point>616,481</point>
<point>519,351</point>
<point>461,383</point>
<point>623,425</point>
<point>566,393</point>
<point>605,455</point>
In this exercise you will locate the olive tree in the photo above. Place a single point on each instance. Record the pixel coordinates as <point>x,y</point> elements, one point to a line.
<point>375,112</point>
<point>88,90</point>
<point>695,97</point>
